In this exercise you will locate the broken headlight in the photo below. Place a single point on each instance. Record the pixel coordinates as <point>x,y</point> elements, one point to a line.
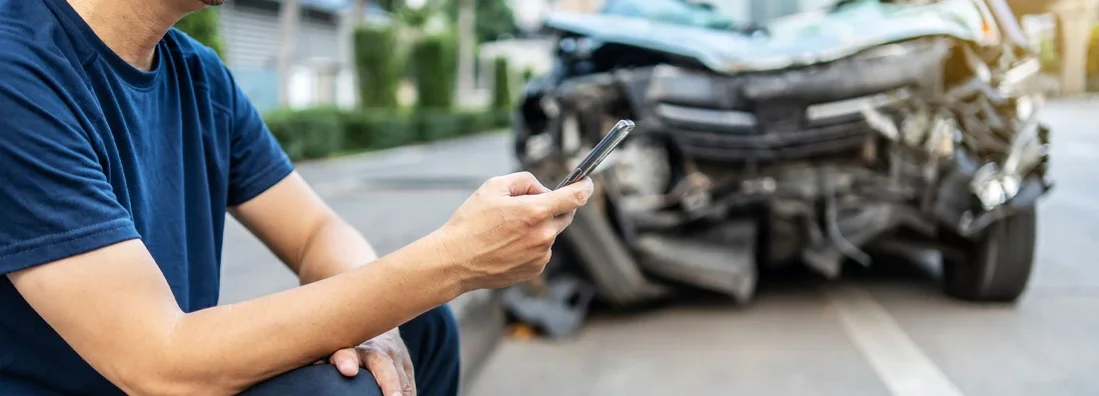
<point>670,84</point>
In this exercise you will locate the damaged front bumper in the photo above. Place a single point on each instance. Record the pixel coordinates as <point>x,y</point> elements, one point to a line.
<point>809,164</point>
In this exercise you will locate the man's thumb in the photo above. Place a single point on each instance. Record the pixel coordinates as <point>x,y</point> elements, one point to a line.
<point>570,197</point>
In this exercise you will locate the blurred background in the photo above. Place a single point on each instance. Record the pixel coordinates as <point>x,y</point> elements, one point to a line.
<point>397,110</point>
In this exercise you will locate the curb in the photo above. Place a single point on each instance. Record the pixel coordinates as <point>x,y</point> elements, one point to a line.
<point>410,148</point>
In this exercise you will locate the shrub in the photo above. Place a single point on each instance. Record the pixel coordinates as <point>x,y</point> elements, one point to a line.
<point>435,124</point>
<point>492,19</point>
<point>501,119</point>
<point>377,66</point>
<point>306,134</point>
<point>322,132</point>
<point>434,65</point>
<point>501,88</point>
<point>203,27</point>
<point>1093,54</point>
<point>471,121</point>
<point>375,129</point>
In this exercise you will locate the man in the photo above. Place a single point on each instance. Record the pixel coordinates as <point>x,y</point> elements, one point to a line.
<point>122,145</point>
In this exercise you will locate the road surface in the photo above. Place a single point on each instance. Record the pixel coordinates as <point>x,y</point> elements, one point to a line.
<point>884,332</point>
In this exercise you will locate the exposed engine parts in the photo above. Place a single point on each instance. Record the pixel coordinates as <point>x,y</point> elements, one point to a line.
<point>926,133</point>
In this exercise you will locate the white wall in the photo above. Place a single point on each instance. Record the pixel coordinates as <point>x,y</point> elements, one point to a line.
<point>252,40</point>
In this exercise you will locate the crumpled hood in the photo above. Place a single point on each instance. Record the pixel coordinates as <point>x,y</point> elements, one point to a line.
<point>791,41</point>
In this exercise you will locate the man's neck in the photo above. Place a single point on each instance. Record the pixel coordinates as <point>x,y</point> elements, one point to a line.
<point>131,28</point>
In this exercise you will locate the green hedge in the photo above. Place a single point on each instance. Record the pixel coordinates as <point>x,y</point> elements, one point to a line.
<point>305,134</point>
<point>375,129</point>
<point>501,84</point>
<point>324,132</point>
<point>434,62</point>
<point>377,66</point>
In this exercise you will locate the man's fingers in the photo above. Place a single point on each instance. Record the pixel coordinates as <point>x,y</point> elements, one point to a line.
<point>405,363</point>
<point>517,184</point>
<point>385,373</point>
<point>408,382</point>
<point>560,222</point>
<point>346,361</point>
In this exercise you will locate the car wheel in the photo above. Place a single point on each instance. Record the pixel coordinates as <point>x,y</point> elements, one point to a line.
<point>995,268</point>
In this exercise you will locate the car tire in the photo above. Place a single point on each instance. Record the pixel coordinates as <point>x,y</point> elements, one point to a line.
<point>997,266</point>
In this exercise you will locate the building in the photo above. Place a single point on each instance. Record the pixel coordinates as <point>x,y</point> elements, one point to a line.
<point>322,72</point>
<point>323,62</point>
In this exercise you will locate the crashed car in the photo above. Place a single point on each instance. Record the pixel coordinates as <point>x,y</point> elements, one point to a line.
<point>810,139</point>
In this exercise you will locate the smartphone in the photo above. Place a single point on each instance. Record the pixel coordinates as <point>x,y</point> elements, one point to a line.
<point>599,153</point>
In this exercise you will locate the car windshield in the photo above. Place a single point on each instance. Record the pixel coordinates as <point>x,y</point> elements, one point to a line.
<point>718,14</point>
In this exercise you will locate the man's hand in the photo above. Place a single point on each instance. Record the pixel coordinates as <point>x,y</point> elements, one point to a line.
<point>386,358</point>
<point>502,235</point>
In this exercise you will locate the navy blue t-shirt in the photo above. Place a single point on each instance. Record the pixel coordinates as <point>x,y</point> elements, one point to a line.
<point>94,152</point>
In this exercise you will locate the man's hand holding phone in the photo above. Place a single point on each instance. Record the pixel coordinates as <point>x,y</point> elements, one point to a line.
<point>503,233</point>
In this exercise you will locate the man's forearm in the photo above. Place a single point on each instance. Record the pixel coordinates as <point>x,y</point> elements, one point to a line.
<point>333,248</point>
<point>239,345</point>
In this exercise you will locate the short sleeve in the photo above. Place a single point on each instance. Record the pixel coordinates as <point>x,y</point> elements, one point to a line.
<point>55,199</point>
<point>257,161</point>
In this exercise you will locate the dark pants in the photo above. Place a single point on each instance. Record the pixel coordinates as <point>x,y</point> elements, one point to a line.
<point>432,340</point>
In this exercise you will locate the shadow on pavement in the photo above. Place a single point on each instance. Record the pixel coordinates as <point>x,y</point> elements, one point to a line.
<point>793,282</point>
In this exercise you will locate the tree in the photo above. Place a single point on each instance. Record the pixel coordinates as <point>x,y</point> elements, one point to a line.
<point>432,63</point>
<point>377,66</point>
<point>501,88</point>
<point>493,18</point>
<point>391,5</point>
<point>203,27</point>
<point>289,15</point>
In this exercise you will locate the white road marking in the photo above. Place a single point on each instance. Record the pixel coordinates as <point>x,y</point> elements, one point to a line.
<point>899,363</point>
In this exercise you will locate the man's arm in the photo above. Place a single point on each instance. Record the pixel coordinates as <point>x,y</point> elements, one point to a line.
<point>116,310</point>
<point>317,244</point>
<point>311,239</point>
<point>72,252</point>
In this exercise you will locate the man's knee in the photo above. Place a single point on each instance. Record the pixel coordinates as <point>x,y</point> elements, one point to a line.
<point>320,379</point>
<point>433,341</point>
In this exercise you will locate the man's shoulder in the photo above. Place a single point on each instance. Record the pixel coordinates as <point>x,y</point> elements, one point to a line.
<point>36,70</point>
<point>25,16</point>
<point>40,76</point>
<point>31,26</point>
<point>35,51</point>
<point>192,49</point>
<point>205,64</point>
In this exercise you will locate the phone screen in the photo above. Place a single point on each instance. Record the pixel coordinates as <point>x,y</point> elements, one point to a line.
<point>599,153</point>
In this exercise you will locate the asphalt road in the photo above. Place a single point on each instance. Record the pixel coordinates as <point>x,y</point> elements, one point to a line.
<point>882,332</point>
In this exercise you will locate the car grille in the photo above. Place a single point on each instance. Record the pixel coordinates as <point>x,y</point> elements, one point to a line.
<point>773,132</point>
<point>792,145</point>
